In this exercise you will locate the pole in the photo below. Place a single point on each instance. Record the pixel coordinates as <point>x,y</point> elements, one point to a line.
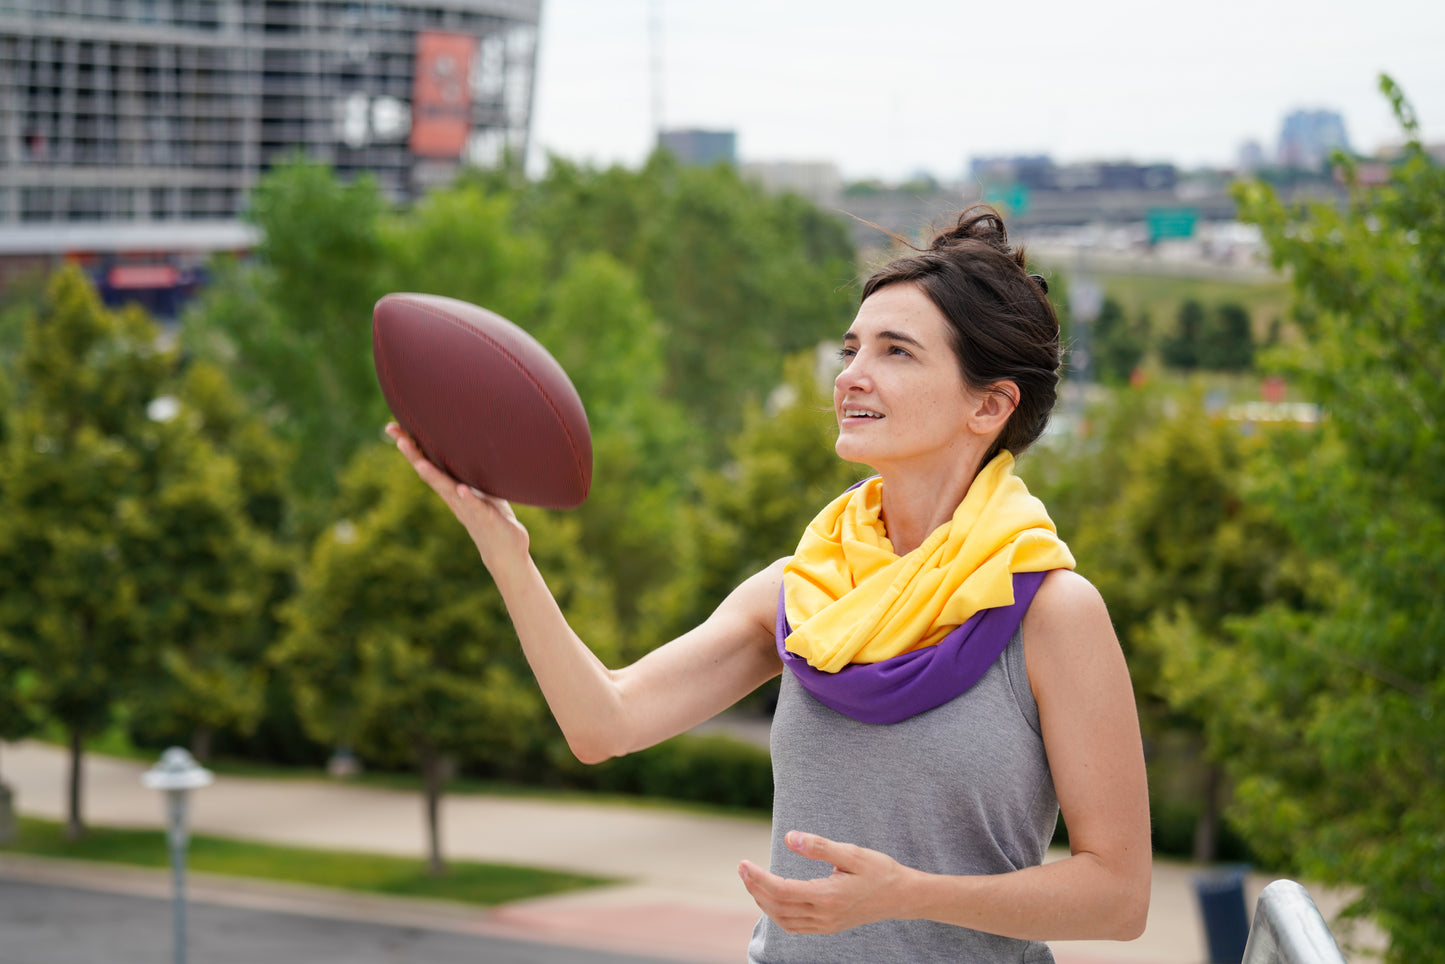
<point>176,805</point>
<point>177,775</point>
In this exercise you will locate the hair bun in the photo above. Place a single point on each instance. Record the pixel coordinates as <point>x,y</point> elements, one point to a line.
<point>981,223</point>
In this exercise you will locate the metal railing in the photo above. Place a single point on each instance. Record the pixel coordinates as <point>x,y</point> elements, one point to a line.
<point>1289,929</point>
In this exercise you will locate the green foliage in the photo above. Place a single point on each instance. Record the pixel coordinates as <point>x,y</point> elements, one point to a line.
<point>73,481</point>
<point>1218,339</point>
<point>1158,296</point>
<point>672,296</point>
<point>711,769</point>
<point>1117,345</point>
<point>294,328</point>
<point>19,718</point>
<point>385,621</point>
<point>1329,717</point>
<point>130,563</point>
<point>1228,343</point>
<point>783,471</point>
<point>397,644</point>
<point>602,330</point>
<point>218,531</point>
<point>669,294</point>
<point>460,242</point>
<point>1181,348</point>
<point>1179,530</point>
<point>22,295</point>
<point>1154,505</point>
<point>739,279</point>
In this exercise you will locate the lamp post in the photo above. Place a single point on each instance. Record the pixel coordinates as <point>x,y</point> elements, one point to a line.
<point>177,774</point>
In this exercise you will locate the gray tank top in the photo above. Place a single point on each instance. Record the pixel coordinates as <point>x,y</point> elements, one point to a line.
<point>961,789</point>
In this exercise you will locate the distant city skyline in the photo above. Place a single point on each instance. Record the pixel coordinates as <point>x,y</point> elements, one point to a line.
<point>924,87</point>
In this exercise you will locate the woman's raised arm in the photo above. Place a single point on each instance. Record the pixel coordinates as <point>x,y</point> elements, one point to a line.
<point>609,712</point>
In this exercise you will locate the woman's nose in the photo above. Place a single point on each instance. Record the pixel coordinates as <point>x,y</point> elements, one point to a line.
<point>854,375</point>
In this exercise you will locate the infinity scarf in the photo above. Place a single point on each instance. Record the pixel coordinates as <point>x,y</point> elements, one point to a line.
<point>849,603</point>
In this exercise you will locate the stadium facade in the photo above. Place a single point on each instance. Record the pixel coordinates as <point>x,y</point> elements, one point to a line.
<point>142,125</point>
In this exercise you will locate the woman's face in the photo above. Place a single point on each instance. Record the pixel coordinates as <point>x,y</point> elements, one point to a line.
<point>901,399</point>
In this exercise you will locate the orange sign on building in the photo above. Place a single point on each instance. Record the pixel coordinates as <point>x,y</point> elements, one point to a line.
<point>441,100</point>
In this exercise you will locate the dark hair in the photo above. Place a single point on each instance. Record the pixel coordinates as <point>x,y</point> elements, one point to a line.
<point>1001,324</point>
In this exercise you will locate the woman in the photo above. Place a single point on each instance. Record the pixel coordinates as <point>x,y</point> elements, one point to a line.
<point>949,683</point>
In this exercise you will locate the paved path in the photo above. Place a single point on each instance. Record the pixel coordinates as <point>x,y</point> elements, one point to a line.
<point>44,923</point>
<point>680,900</point>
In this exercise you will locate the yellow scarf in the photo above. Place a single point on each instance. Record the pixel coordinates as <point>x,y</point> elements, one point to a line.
<point>850,599</point>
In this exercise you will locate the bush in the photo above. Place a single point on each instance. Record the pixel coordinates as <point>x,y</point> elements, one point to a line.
<point>711,769</point>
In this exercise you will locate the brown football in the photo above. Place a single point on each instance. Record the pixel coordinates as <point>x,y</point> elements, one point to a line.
<point>483,399</point>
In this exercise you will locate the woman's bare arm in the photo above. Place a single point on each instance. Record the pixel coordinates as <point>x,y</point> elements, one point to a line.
<point>605,712</point>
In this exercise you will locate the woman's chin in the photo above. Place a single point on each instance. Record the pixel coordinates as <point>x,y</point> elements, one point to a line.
<point>850,451</point>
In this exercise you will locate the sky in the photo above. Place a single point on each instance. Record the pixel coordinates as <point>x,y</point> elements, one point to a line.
<point>888,90</point>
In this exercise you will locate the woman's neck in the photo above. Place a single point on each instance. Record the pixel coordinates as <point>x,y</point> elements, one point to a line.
<point>916,503</point>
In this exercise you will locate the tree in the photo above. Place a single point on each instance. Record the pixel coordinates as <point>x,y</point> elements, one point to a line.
<point>1166,531</point>
<point>79,467</point>
<point>739,279</point>
<point>218,534</point>
<point>1330,718</point>
<point>1180,349</point>
<point>782,472</point>
<point>603,331</point>
<point>131,546</point>
<point>462,242</point>
<point>671,296</point>
<point>1218,338</point>
<point>1227,342</point>
<point>397,644</point>
<point>294,326</point>
<point>17,721</point>
<point>1117,345</point>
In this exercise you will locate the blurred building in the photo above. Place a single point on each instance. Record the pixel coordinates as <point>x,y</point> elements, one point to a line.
<point>818,181</point>
<point>692,146</point>
<point>1034,172</point>
<point>133,130</point>
<point>1250,156</point>
<point>1308,137</point>
<point>1039,173</point>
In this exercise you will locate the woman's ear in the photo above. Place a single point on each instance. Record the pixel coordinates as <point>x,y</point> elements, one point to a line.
<point>995,405</point>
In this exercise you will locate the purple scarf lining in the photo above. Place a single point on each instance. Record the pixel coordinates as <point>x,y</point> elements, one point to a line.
<point>895,689</point>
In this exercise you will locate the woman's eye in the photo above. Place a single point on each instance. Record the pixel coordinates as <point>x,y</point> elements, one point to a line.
<point>895,350</point>
<point>847,353</point>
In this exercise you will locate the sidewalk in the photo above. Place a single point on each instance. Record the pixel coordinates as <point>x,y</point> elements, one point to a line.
<point>680,899</point>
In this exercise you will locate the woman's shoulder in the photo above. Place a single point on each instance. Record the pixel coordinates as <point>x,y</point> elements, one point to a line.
<point>1067,614</point>
<point>1064,592</point>
<point>755,600</point>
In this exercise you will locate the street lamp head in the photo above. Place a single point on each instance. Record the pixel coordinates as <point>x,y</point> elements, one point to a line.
<point>177,770</point>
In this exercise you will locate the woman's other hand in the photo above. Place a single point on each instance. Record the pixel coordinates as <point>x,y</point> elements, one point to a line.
<point>858,891</point>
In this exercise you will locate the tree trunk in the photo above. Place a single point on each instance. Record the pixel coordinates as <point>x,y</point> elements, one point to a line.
<point>201,739</point>
<point>7,813</point>
<point>75,829</point>
<point>1206,829</point>
<point>432,777</point>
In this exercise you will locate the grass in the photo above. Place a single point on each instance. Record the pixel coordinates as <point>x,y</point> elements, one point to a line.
<point>1160,297</point>
<point>114,742</point>
<point>466,881</point>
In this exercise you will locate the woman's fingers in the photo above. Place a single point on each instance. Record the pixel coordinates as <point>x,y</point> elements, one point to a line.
<point>446,486</point>
<point>479,512</point>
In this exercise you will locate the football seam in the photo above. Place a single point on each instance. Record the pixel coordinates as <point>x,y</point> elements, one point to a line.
<point>502,350</point>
